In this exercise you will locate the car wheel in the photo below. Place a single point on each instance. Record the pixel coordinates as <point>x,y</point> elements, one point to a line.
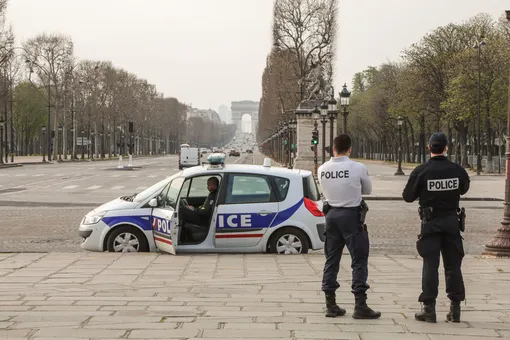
<point>288,241</point>
<point>127,239</point>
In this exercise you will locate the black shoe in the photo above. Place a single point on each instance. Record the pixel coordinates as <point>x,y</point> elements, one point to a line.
<point>427,313</point>
<point>362,311</point>
<point>333,310</point>
<point>454,313</point>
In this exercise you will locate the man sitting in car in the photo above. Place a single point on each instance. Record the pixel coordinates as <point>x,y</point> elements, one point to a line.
<point>202,215</point>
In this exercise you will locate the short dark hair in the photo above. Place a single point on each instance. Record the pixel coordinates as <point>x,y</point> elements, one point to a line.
<point>215,180</point>
<point>342,143</point>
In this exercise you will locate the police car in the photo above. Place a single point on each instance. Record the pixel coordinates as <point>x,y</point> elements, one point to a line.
<point>257,209</point>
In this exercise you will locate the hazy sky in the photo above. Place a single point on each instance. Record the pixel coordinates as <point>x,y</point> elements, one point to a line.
<point>212,52</point>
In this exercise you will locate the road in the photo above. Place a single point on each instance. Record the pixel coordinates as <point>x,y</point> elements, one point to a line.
<point>41,206</point>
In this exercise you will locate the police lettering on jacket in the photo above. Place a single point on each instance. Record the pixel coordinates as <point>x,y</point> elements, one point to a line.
<point>437,183</point>
<point>343,182</point>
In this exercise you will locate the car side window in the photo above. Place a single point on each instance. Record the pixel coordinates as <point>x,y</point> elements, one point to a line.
<point>248,189</point>
<point>171,194</point>
<point>282,186</point>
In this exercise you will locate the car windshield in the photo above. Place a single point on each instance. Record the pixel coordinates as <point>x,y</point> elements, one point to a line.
<point>153,190</point>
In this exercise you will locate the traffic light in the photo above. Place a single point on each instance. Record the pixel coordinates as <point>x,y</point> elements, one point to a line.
<point>315,137</point>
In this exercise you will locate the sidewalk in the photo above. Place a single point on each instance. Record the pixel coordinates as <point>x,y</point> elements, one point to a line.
<point>30,160</point>
<point>150,296</point>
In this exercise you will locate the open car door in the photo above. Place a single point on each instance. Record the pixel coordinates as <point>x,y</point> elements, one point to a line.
<point>164,222</point>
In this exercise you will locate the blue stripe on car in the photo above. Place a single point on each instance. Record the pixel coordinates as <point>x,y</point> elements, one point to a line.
<point>284,215</point>
<point>143,222</point>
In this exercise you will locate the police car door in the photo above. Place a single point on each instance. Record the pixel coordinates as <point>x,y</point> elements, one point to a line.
<point>164,227</point>
<point>245,210</point>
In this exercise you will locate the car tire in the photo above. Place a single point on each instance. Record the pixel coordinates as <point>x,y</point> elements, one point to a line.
<point>285,235</point>
<point>124,233</point>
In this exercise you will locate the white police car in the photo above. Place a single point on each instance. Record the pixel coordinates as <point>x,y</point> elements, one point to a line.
<point>257,209</point>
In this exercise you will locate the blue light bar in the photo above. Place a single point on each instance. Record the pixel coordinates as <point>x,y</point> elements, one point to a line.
<point>216,158</point>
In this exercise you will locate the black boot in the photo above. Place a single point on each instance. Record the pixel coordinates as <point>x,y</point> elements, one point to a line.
<point>427,313</point>
<point>454,313</point>
<point>333,310</point>
<point>362,311</point>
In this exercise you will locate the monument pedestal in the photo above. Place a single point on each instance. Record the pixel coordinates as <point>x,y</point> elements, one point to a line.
<point>305,125</point>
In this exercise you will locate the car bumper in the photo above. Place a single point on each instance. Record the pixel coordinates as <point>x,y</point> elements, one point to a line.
<point>92,236</point>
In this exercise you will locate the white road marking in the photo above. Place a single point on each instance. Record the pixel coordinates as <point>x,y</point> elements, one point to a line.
<point>58,175</point>
<point>94,187</point>
<point>141,188</point>
<point>133,176</point>
<point>116,176</point>
<point>162,169</point>
<point>152,176</point>
<point>71,186</point>
<point>118,187</point>
<point>38,175</point>
<point>20,175</point>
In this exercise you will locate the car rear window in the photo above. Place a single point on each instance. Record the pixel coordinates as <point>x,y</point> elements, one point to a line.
<point>310,189</point>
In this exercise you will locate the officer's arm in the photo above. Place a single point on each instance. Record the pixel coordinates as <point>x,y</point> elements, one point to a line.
<point>411,191</point>
<point>366,182</point>
<point>464,182</point>
<point>207,207</point>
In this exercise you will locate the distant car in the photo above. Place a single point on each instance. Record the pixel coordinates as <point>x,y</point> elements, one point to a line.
<point>249,151</point>
<point>234,153</point>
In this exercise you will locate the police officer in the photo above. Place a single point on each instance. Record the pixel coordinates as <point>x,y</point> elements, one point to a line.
<point>343,182</point>
<point>438,184</point>
<point>202,215</point>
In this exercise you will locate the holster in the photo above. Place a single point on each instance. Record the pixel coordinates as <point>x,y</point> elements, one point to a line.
<point>325,208</point>
<point>363,212</point>
<point>461,212</point>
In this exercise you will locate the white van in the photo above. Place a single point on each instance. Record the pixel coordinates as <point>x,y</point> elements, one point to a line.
<point>188,156</point>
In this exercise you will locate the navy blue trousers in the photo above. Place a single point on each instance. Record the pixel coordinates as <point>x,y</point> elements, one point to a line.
<point>343,228</point>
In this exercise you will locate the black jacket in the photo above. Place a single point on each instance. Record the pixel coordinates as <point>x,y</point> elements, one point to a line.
<point>437,183</point>
<point>206,209</point>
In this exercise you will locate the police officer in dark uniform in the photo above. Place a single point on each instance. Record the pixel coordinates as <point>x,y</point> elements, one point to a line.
<point>438,184</point>
<point>343,182</point>
<point>202,215</point>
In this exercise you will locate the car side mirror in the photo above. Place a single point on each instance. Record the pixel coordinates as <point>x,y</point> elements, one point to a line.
<point>153,203</point>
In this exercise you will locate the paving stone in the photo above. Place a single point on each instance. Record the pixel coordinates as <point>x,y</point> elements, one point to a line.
<point>245,334</point>
<point>163,334</point>
<point>394,336</point>
<point>79,333</point>
<point>325,335</point>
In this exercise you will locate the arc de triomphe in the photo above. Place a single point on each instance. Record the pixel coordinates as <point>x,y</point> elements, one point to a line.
<point>240,108</point>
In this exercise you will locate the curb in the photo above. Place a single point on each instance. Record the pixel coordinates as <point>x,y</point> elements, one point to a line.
<point>396,198</point>
<point>12,165</point>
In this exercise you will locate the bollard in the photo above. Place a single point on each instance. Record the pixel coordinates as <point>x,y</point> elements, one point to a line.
<point>130,160</point>
<point>120,162</point>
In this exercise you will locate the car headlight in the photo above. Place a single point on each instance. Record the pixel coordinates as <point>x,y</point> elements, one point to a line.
<point>94,218</point>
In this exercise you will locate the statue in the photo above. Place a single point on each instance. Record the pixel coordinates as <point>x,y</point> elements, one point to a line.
<point>318,89</point>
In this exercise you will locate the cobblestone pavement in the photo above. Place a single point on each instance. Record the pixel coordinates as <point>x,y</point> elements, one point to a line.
<point>150,296</point>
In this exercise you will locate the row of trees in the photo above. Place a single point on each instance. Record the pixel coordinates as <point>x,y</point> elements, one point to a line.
<point>435,88</point>
<point>303,37</point>
<point>87,106</point>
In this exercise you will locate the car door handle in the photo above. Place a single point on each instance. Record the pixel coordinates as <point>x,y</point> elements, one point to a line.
<point>265,212</point>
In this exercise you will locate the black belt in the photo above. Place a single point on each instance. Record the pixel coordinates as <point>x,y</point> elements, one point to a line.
<point>346,208</point>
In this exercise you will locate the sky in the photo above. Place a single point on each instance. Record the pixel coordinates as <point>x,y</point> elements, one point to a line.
<point>212,52</point>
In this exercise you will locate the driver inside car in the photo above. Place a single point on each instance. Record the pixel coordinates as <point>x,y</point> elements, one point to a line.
<point>202,215</point>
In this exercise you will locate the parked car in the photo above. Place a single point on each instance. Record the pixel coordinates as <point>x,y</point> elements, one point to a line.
<point>259,209</point>
<point>234,153</point>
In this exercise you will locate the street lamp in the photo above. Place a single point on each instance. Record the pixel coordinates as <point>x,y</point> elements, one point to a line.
<point>2,123</point>
<point>315,116</point>
<point>399,172</point>
<point>43,129</point>
<point>60,143</point>
<point>82,144</point>
<point>333,114</point>
<point>479,47</point>
<point>344,101</point>
<point>292,134</point>
<point>500,244</point>
<point>324,114</point>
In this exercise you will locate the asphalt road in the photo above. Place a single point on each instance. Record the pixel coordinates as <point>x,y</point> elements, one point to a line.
<point>41,206</point>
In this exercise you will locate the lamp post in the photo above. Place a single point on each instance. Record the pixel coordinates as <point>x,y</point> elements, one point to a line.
<point>324,114</point>
<point>43,129</point>
<point>82,144</point>
<point>500,244</point>
<point>344,101</point>
<point>399,172</point>
<point>315,116</point>
<point>92,144</point>
<point>292,127</point>
<point>333,114</point>
<point>479,47</point>
<point>60,143</point>
<point>2,124</point>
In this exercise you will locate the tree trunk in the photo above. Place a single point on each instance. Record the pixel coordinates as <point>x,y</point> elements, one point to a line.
<point>488,129</point>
